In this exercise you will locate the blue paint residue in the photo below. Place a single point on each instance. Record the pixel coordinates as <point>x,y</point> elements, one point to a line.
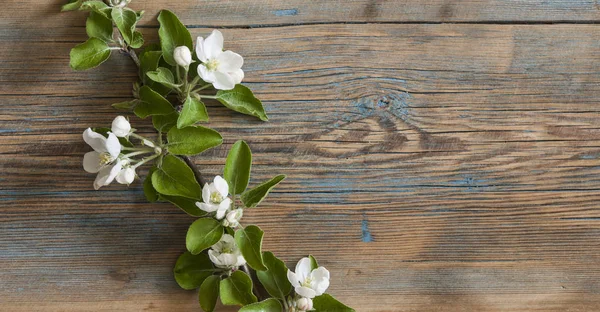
<point>366,234</point>
<point>589,156</point>
<point>288,12</point>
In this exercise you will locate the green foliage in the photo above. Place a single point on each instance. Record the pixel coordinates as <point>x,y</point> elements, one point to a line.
<point>237,289</point>
<point>237,167</point>
<point>137,41</point>
<point>326,303</point>
<point>72,5</point>
<point>209,293</point>
<point>241,99</point>
<point>126,105</point>
<point>186,204</point>
<point>192,140</point>
<point>251,198</point>
<point>192,112</point>
<point>99,26</point>
<point>269,305</point>
<point>172,34</point>
<point>313,263</point>
<point>202,234</point>
<point>89,54</point>
<point>152,103</point>
<point>191,270</point>
<point>164,123</point>
<point>274,279</point>
<point>149,191</point>
<point>175,178</point>
<point>98,7</point>
<point>163,76</point>
<point>125,20</point>
<point>249,240</point>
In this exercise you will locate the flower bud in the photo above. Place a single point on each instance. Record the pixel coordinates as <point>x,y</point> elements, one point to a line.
<point>182,56</point>
<point>120,126</point>
<point>118,3</point>
<point>233,217</point>
<point>304,304</point>
<point>126,176</point>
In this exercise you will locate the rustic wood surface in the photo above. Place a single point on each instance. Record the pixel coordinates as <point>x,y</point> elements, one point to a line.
<point>441,155</point>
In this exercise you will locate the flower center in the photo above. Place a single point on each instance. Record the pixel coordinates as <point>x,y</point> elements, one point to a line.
<point>215,197</point>
<point>105,159</point>
<point>212,65</point>
<point>307,282</point>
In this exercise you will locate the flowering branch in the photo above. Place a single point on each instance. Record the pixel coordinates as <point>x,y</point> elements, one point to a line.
<point>224,259</point>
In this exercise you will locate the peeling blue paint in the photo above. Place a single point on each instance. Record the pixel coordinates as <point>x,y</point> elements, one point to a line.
<point>366,233</point>
<point>589,156</point>
<point>287,12</point>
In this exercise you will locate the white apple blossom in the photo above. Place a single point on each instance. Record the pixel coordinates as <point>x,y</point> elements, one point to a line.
<point>182,56</point>
<point>233,217</point>
<point>126,176</point>
<point>307,282</point>
<point>304,304</point>
<point>103,159</point>
<point>221,68</point>
<point>215,197</point>
<point>226,254</point>
<point>121,127</point>
<point>118,3</point>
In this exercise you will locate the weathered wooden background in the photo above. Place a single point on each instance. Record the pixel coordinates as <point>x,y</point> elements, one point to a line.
<point>442,155</point>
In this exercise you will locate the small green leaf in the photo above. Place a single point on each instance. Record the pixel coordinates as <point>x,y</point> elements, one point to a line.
<point>237,167</point>
<point>251,198</point>
<point>172,34</point>
<point>127,105</point>
<point>148,62</point>
<point>249,240</point>
<point>149,191</point>
<point>237,289</point>
<point>175,178</point>
<point>209,293</point>
<point>191,270</point>
<point>326,303</point>
<point>163,76</point>
<point>202,234</point>
<point>164,123</point>
<point>192,140</point>
<point>192,112</point>
<point>269,305</point>
<point>241,99</point>
<point>186,204</point>
<point>125,19</point>
<point>71,5</point>
<point>137,41</point>
<point>152,104</point>
<point>313,263</point>
<point>98,7</point>
<point>274,279</point>
<point>99,26</point>
<point>89,54</point>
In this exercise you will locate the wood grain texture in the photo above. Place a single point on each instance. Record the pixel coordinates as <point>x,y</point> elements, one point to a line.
<point>431,167</point>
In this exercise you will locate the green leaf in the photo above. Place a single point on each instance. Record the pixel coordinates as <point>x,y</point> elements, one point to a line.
<point>249,240</point>
<point>137,41</point>
<point>89,54</point>
<point>149,191</point>
<point>209,293</point>
<point>98,7</point>
<point>164,123</point>
<point>100,27</point>
<point>269,305</point>
<point>326,303</point>
<point>127,105</point>
<point>237,167</point>
<point>175,178</point>
<point>251,198</point>
<point>186,204</point>
<point>192,112</point>
<point>152,104</point>
<point>274,279</point>
<point>148,62</point>
<point>313,263</point>
<point>202,234</point>
<point>172,34</point>
<point>163,76</point>
<point>241,99</point>
<point>191,270</point>
<point>192,140</point>
<point>125,19</point>
<point>237,290</point>
<point>71,5</point>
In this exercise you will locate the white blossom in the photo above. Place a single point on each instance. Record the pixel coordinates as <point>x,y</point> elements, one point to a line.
<point>103,159</point>
<point>226,254</point>
<point>182,56</point>
<point>304,304</point>
<point>221,68</point>
<point>233,217</point>
<point>215,197</point>
<point>120,126</point>
<point>118,3</point>
<point>307,282</point>
<point>126,176</point>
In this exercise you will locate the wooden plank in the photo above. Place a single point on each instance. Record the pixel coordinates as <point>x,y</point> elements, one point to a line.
<point>256,13</point>
<point>431,168</point>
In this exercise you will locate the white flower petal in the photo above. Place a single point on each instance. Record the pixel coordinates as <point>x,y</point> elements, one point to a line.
<point>320,280</point>
<point>292,278</point>
<point>126,176</point>
<point>120,126</point>
<point>228,239</point>
<point>182,56</point>
<point>213,45</point>
<point>107,175</point>
<point>221,186</point>
<point>94,139</point>
<point>223,207</point>
<point>91,162</point>
<point>229,61</point>
<point>303,269</point>
<point>213,257</point>
<point>113,146</point>
<point>206,193</point>
<point>240,261</point>
<point>237,76</point>
<point>205,74</point>
<point>305,292</point>
<point>223,81</point>
<point>207,207</point>
<point>200,49</point>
